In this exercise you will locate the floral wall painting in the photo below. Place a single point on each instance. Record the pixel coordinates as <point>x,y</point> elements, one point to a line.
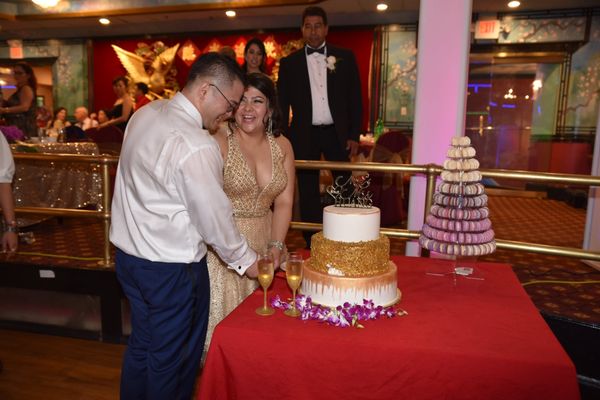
<point>542,30</point>
<point>399,77</point>
<point>584,84</point>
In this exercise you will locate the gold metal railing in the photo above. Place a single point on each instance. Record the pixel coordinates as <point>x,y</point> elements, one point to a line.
<point>104,162</point>
<point>430,171</point>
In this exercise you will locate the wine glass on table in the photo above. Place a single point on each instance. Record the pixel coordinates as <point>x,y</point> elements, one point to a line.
<point>265,277</point>
<point>293,273</point>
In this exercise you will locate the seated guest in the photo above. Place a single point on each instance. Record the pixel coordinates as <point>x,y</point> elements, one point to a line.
<point>141,98</point>
<point>43,117</point>
<point>102,116</point>
<point>60,119</point>
<point>83,121</point>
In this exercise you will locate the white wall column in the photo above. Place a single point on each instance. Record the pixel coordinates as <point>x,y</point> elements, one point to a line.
<point>442,75</point>
<point>591,237</point>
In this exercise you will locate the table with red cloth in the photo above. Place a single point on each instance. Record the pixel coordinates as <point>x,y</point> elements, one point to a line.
<point>462,339</point>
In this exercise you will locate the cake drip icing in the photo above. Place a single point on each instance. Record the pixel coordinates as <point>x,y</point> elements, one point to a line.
<point>358,259</point>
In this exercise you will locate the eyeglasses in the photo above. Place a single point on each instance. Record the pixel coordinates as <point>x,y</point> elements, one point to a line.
<point>232,104</point>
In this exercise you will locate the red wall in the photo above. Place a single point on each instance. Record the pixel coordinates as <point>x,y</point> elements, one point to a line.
<point>106,65</point>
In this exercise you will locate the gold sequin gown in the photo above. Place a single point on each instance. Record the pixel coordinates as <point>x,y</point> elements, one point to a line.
<point>253,215</point>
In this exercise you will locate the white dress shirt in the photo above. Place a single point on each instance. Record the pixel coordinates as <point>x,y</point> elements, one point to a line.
<point>87,123</point>
<point>317,74</point>
<point>7,164</point>
<point>169,202</point>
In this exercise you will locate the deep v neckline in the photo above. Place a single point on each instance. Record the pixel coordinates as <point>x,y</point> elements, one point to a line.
<point>247,166</point>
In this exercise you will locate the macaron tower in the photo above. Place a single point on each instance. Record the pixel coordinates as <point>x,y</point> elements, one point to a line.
<point>458,223</point>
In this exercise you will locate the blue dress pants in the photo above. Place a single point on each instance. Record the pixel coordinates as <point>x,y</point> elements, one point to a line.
<point>169,315</point>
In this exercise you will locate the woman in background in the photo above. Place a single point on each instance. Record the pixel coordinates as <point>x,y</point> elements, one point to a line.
<point>102,116</point>
<point>20,108</point>
<point>255,57</point>
<point>60,119</point>
<point>123,107</point>
<point>258,173</point>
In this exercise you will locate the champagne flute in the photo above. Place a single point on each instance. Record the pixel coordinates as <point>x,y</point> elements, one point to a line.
<point>265,277</point>
<point>293,274</point>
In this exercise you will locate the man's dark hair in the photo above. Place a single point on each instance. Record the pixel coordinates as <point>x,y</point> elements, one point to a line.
<point>142,87</point>
<point>265,85</point>
<point>314,11</point>
<point>215,65</point>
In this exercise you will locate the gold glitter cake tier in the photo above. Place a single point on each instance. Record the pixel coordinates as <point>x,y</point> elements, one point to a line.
<point>358,259</point>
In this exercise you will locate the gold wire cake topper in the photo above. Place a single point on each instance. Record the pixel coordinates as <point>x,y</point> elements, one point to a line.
<point>351,193</point>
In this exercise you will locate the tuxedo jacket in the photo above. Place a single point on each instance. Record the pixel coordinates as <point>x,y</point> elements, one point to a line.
<point>343,92</point>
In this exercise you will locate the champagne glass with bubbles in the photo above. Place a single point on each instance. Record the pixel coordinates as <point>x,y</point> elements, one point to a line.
<point>293,274</point>
<point>265,277</point>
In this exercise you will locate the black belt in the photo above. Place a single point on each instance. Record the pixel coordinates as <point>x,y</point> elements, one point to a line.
<point>323,126</point>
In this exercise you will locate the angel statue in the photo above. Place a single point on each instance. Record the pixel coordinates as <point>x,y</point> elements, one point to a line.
<point>152,72</point>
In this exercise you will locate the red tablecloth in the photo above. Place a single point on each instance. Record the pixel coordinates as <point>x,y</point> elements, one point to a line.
<point>463,339</point>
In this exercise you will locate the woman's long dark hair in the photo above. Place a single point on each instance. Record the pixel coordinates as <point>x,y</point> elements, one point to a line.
<point>32,80</point>
<point>261,46</point>
<point>266,86</point>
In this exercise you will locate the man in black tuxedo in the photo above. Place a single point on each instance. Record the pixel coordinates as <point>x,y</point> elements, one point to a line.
<point>321,84</point>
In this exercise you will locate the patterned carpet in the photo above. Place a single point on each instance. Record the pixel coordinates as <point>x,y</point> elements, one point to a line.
<point>557,285</point>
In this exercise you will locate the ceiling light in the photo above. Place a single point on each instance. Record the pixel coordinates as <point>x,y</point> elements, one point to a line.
<point>382,7</point>
<point>104,21</point>
<point>230,13</point>
<point>514,4</point>
<point>45,3</point>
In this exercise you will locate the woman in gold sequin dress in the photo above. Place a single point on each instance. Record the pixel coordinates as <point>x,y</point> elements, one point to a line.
<point>259,179</point>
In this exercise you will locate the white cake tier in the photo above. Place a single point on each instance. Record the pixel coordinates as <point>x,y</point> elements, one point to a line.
<point>333,291</point>
<point>347,224</point>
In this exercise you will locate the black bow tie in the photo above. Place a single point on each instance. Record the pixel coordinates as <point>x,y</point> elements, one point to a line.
<point>310,50</point>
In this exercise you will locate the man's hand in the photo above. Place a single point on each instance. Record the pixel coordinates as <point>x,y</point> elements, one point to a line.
<point>352,145</point>
<point>252,271</point>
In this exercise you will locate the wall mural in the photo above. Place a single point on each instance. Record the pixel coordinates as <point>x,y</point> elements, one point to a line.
<point>399,76</point>
<point>541,30</point>
<point>584,84</point>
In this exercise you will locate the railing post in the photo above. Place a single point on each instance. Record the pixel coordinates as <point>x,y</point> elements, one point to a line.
<point>106,262</point>
<point>429,189</point>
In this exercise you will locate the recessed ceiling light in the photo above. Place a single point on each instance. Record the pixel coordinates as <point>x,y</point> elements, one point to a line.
<point>382,7</point>
<point>104,21</point>
<point>45,3</point>
<point>514,4</point>
<point>230,13</point>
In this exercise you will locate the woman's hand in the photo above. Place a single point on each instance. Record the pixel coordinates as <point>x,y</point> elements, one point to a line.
<point>277,254</point>
<point>10,242</point>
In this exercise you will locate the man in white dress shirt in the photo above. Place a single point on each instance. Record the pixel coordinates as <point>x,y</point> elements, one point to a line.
<point>167,206</point>
<point>83,121</point>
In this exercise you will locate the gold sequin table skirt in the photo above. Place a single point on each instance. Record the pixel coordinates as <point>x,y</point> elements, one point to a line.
<point>56,184</point>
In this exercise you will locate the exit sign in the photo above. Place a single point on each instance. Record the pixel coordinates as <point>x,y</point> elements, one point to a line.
<point>487,29</point>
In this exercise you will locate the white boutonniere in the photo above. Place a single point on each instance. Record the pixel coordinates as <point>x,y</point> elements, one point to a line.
<point>331,63</point>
